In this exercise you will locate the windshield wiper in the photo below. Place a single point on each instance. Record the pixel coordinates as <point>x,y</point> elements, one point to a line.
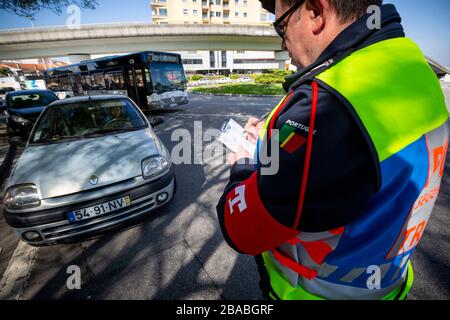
<point>107,131</point>
<point>55,139</point>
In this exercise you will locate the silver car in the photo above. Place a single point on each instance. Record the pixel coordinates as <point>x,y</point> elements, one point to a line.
<point>91,164</point>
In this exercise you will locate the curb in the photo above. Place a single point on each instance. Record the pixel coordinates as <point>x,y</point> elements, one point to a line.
<point>237,95</point>
<point>7,163</point>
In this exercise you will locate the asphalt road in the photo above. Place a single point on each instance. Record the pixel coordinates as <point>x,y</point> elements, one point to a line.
<point>178,252</point>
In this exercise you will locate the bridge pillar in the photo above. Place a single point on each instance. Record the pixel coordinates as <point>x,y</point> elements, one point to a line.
<point>77,58</point>
<point>282,57</point>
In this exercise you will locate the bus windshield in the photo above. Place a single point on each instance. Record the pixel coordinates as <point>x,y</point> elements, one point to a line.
<point>167,77</point>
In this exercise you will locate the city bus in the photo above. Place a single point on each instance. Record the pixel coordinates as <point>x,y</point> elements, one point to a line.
<point>154,80</point>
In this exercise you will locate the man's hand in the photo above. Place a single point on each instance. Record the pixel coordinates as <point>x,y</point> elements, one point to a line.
<point>252,129</point>
<point>240,154</point>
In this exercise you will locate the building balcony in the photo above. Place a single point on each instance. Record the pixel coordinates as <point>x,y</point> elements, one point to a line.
<point>159,3</point>
<point>159,16</point>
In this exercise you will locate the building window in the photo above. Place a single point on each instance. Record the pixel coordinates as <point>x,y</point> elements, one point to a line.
<point>212,14</point>
<point>194,12</point>
<point>218,2</point>
<point>236,2</point>
<point>245,2</point>
<point>194,1</point>
<point>244,61</point>
<point>264,17</point>
<point>218,14</point>
<point>162,12</point>
<point>185,12</point>
<point>240,52</point>
<point>236,14</point>
<point>224,59</point>
<point>245,14</point>
<point>98,82</point>
<point>192,61</point>
<point>212,59</point>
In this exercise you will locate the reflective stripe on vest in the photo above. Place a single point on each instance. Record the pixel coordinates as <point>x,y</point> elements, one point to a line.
<point>398,100</point>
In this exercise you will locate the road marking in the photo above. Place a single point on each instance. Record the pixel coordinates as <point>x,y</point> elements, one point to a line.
<point>17,273</point>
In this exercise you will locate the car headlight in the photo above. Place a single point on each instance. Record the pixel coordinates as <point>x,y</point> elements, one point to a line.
<point>22,197</point>
<point>19,120</point>
<point>153,166</point>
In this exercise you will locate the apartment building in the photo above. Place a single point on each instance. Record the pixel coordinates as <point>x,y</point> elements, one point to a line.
<point>217,12</point>
<point>209,11</point>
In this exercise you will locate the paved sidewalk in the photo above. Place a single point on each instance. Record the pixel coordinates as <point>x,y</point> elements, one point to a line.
<point>8,240</point>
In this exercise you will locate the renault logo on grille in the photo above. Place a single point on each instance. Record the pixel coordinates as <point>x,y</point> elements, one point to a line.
<point>93,180</point>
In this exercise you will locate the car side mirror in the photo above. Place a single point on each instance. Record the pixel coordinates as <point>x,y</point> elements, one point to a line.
<point>156,121</point>
<point>17,142</point>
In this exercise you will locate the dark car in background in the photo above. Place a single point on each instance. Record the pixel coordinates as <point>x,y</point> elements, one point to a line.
<point>24,107</point>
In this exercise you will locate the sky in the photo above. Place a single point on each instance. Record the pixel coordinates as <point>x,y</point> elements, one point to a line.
<point>425,21</point>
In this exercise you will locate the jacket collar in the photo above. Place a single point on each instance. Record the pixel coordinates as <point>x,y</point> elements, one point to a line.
<point>354,37</point>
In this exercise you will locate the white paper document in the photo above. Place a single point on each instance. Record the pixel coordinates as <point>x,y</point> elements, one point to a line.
<point>233,136</point>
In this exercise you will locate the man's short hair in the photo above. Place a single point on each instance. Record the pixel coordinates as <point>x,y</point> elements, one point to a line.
<point>347,9</point>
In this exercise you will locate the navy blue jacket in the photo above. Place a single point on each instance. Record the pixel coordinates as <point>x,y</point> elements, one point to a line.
<point>343,175</point>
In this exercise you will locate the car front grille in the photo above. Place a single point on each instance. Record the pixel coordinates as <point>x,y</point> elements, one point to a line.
<point>63,230</point>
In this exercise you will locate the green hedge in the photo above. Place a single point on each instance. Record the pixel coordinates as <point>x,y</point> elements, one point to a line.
<point>255,89</point>
<point>273,76</point>
<point>197,77</point>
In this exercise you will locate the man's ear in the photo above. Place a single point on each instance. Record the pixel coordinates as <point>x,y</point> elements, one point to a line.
<point>317,12</point>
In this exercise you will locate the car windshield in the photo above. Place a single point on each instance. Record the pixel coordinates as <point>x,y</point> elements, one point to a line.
<point>87,120</point>
<point>40,99</point>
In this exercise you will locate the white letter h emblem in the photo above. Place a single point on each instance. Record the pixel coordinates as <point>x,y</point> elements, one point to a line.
<point>239,200</point>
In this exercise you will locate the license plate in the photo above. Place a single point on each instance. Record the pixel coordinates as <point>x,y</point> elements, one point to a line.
<point>98,210</point>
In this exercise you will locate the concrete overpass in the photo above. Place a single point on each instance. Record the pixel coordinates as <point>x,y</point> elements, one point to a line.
<point>117,38</point>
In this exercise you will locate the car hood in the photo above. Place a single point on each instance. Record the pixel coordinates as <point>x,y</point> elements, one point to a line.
<point>66,168</point>
<point>35,111</point>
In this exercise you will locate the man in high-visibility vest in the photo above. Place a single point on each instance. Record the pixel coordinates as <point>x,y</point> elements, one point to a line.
<point>363,136</point>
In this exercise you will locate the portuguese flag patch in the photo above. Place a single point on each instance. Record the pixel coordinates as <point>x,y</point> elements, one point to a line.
<point>290,141</point>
